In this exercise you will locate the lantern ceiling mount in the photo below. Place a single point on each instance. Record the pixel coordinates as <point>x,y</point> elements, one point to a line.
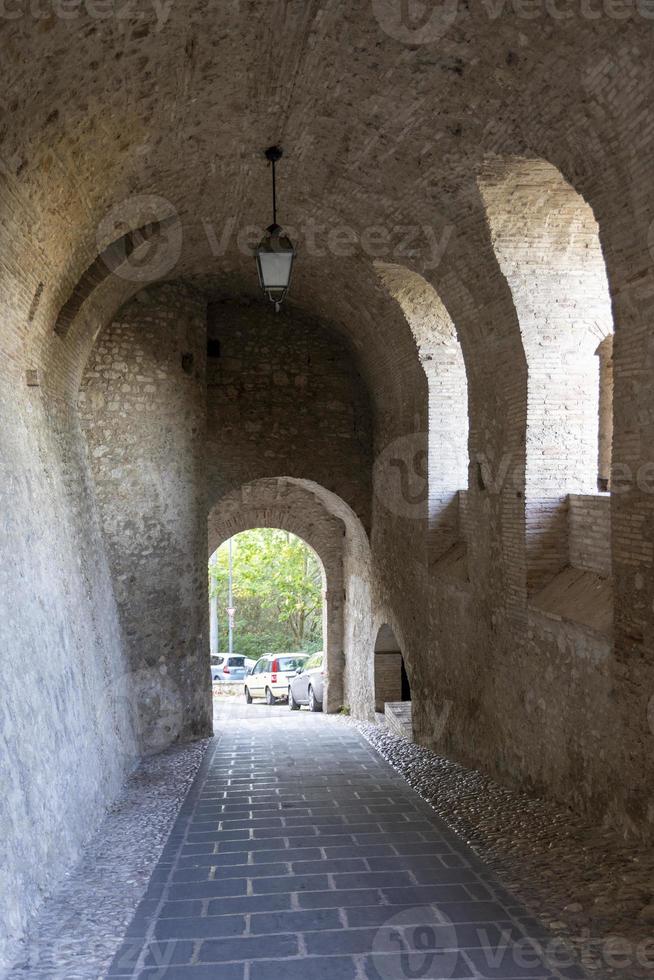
<point>275,252</point>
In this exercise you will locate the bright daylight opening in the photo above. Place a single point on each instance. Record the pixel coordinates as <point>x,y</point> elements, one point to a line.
<point>266,603</point>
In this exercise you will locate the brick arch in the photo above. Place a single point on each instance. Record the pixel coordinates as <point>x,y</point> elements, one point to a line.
<point>442,360</point>
<point>288,505</point>
<point>546,240</point>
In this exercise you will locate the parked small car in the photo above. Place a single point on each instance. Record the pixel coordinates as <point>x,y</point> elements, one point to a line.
<point>227,668</point>
<point>308,686</point>
<point>271,676</point>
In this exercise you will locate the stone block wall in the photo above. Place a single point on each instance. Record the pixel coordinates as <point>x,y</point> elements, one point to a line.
<point>285,398</point>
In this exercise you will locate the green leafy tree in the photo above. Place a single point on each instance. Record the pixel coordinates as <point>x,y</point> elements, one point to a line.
<point>277,593</point>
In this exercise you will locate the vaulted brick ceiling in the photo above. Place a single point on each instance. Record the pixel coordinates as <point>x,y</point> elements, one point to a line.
<point>179,102</point>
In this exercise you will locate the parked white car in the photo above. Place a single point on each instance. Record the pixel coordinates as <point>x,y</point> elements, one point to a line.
<point>271,676</point>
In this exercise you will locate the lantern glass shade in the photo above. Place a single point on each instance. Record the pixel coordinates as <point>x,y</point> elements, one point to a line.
<point>274,255</point>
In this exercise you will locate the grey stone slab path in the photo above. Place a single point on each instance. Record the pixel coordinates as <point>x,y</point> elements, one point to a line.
<point>300,853</point>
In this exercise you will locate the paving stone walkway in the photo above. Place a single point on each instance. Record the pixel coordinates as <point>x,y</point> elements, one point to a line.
<point>300,853</point>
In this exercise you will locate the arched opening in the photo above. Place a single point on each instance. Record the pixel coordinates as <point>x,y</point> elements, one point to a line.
<point>546,240</point>
<point>441,357</point>
<point>313,515</point>
<point>267,594</point>
<point>391,679</point>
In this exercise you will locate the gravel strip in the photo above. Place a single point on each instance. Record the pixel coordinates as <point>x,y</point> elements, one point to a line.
<point>586,885</point>
<point>80,926</point>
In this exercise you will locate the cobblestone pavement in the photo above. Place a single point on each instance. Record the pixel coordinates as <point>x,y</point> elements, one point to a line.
<point>585,884</point>
<point>300,853</point>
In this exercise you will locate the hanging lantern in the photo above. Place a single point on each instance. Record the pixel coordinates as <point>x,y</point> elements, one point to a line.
<point>275,252</point>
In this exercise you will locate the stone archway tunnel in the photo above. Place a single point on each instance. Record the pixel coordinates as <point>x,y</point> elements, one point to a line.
<point>453,407</point>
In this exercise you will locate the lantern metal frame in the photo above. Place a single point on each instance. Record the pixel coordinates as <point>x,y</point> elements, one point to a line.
<point>274,243</point>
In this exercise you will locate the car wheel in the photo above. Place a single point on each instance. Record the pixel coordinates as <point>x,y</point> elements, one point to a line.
<point>314,705</point>
<point>292,703</point>
<point>248,696</point>
<point>269,696</point>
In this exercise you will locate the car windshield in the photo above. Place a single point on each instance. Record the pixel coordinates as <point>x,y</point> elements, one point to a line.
<point>237,661</point>
<point>291,663</point>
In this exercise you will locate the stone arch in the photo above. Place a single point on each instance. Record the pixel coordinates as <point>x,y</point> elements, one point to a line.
<point>288,505</point>
<point>547,244</point>
<point>441,357</point>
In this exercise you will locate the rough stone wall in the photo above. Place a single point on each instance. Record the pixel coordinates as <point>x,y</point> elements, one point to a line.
<point>66,743</point>
<point>142,404</point>
<point>284,398</point>
<point>66,740</point>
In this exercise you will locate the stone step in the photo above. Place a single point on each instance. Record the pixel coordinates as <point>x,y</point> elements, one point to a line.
<point>398,718</point>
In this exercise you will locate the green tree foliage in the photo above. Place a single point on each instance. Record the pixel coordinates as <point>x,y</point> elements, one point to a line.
<point>277,593</point>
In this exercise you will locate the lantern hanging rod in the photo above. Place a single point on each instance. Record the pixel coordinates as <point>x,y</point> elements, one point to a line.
<point>275,253</point>
<point>273,154</point>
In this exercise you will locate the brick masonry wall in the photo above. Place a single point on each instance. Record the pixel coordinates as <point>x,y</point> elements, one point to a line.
<point>388,679</point>
<point>589,532</point>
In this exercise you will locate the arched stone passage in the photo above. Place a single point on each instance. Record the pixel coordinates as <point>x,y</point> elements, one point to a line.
<point>104,537</point>
<point>292,507</point>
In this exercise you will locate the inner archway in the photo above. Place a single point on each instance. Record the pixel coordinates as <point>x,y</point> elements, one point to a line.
<point>267,591</point>
<point>290,506</point>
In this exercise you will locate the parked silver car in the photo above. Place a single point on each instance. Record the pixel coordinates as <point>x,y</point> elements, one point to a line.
<point>227,668</point>
<point>308,687</point>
